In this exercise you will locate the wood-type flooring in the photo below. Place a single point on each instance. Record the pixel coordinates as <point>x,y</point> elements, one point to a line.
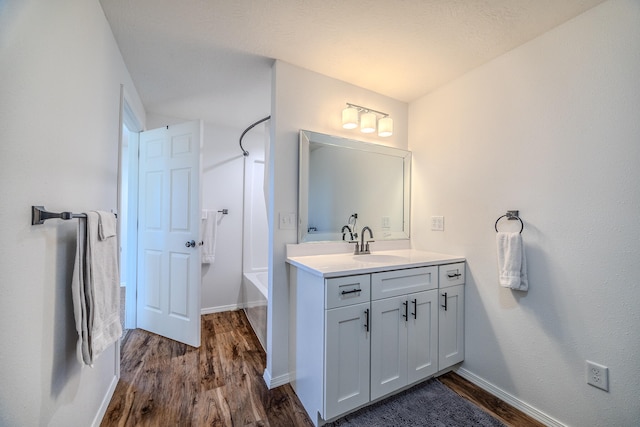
<point>488,402</point>
<point>165,383</point>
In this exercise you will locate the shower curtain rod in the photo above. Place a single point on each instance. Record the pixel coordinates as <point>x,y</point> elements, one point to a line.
<point>245,152</point>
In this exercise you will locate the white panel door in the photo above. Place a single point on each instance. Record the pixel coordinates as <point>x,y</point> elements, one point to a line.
<point>388,345</point>
<point>423,335</point>
<point>346,359</point>
<point>451,326</point>
<point>168,301</point>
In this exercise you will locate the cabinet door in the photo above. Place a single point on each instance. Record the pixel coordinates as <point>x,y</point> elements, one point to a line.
<point>388,345</point>
<point>451,326</point>
<point>346,359</point>
<point>422,335</point>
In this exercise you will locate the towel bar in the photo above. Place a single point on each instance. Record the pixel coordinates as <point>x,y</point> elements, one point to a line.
<point>39,215</point>
<point>510,215</point>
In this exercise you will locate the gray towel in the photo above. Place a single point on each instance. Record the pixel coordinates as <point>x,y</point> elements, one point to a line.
<point>106,225</point>
<point>96,288</point>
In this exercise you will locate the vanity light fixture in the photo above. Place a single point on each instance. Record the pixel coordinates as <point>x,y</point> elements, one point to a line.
<point>350,117</point>
<point>368,120</point>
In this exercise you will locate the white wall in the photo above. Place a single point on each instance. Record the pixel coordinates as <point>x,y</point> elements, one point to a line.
<point>60,76</point>
<point>305,100</point>
<point>551,128</point>
<point>222,186</point>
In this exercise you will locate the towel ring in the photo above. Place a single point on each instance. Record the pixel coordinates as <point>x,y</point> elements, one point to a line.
<point>511,216</point>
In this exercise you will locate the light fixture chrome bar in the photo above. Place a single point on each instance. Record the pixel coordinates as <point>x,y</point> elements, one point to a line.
<point>367,109</point>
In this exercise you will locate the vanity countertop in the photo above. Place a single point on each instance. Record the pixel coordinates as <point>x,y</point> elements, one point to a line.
<point>343,264</point>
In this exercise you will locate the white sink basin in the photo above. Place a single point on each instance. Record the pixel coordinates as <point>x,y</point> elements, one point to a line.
<point>380,258</point>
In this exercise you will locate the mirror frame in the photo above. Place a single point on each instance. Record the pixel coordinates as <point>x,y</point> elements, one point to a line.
<point>307,137</point>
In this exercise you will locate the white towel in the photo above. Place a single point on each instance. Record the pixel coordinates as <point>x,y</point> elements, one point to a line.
<point>107,225</point>
<point>95,289</point>
<point>208,236</point>
<point>512,263</point>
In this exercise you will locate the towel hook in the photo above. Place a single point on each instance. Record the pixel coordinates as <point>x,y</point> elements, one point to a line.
<point>511,215</point>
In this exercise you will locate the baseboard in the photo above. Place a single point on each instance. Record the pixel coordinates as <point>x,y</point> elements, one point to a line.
<point>105,401</point>
<point>509,398</point>
<point>219,309</point>
<point>275,382</point>
<point>252,304</point>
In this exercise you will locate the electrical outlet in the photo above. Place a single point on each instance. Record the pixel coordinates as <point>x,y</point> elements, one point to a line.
<point>598,375</point>
<point>437,223</point>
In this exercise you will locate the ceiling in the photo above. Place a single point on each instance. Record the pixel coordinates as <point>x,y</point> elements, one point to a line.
<point>212,58</point>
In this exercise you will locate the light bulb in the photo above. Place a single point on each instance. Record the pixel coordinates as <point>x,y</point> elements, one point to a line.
<point>350,118</point>
<point>385,126</point>
<point>368,123</point>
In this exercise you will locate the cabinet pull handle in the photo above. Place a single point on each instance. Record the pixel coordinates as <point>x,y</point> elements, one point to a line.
<point>445,301</point>
<point>451,276</point>
<point>352,291</point>
<point>366,321</point>
<point>415,308</point>
<point>406,311</point>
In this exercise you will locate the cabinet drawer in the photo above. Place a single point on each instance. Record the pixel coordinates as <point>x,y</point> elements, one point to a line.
<point>400,282</point>
<point>341,291</point>
<point>451,274</point>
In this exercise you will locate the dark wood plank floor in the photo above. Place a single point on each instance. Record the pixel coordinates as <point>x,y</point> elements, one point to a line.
<point>488,402</point>
<point>165,383</point>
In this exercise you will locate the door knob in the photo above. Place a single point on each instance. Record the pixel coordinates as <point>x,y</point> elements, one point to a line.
<point>191,244</point>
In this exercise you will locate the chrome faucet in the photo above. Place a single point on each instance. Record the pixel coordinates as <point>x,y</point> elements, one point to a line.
<point>350,233</point>
<point>363,248</point>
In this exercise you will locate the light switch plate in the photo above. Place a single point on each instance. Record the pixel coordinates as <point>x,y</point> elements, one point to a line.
<point>437,223</point>
<point>287,221</point>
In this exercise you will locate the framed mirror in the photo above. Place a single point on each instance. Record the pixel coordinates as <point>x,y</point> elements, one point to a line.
<point>345,185</point>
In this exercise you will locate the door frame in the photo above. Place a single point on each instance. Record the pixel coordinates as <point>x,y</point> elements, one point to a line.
<point>135,125</point>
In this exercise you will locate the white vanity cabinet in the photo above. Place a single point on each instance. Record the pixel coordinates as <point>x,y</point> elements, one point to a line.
<point>330,342</point>
<point>346,361</point>
<point>451,315</point>
<point>361,330</point>
<point>404,328</point>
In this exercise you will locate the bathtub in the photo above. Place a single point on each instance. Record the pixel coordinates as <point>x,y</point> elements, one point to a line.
<point>255,291</point>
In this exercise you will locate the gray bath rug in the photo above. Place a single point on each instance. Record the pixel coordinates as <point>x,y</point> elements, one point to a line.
<point>428,404</point>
